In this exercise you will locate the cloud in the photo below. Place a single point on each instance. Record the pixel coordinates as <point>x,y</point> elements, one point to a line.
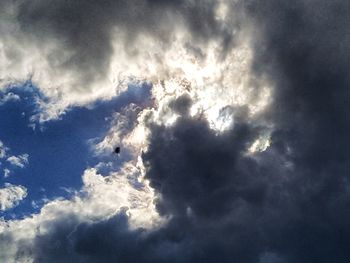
<point>11,195</point>
<point>8,97</point>
<point>78,52</point>
<point>3,150</point>
<point>6,173</point>
<point>270,185</point>
<point>20,161</point>
<point>96,201</point>
<point>196,170</point>
<point>300,48</point>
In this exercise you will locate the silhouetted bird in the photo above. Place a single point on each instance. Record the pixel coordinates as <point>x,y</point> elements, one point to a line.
<point>117,150</point>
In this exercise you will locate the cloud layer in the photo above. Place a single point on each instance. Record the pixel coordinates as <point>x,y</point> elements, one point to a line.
<point>241,156</point>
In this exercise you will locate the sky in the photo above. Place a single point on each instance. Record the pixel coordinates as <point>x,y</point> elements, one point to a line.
<point>231,117</point>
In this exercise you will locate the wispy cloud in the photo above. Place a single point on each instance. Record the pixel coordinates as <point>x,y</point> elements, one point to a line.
<point>6,173</point>
<point>20,161</point>
<point>8,97</point>
<point>3,150</point>
<point>11,162</point>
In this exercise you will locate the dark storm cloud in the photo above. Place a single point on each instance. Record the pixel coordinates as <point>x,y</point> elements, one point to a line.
<point>287,204</point>
<point>189,165</point>
<point>305,49</point>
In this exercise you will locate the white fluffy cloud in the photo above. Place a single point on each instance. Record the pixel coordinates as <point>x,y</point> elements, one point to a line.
<point>11,195</point>
<point>100,198</point>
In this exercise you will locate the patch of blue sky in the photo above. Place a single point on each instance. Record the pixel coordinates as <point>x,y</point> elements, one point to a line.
<point>59,153</point>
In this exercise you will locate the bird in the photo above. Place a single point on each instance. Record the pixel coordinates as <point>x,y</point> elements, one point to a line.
<point>117,150</point>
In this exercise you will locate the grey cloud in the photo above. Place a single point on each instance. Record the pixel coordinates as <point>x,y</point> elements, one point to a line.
<point>304,49</point>
<point>192,167</point>
<point>289,203</point>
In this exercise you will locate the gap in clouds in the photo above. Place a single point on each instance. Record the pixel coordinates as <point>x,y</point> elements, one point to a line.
<point>59,150</point>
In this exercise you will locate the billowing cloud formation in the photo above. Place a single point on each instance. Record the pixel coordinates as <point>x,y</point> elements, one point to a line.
<point>82,51</point>
<point>244,150</point>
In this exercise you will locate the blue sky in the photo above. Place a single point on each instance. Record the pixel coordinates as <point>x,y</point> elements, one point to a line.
<point>58,150</point>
